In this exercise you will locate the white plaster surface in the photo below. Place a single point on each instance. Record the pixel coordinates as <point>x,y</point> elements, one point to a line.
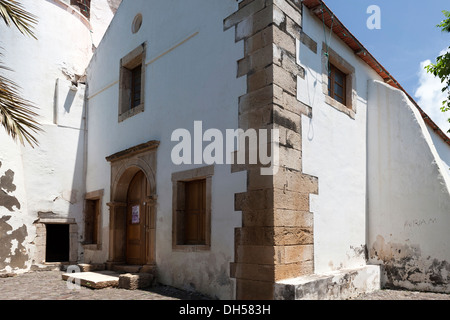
<point>184,83</point>
<point>381,175</point>
<point>49,178</point>
<point>442,149</point>
<point>334,150</point>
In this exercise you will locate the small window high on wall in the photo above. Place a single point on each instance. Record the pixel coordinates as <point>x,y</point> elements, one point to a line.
<point>83,5</point>
<point>132,83</point>
<point>338,82</point>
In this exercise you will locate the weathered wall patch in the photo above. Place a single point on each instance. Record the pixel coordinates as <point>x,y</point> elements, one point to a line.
<point>17,257</point>
<point>406,267</point>
<point>7,186</point>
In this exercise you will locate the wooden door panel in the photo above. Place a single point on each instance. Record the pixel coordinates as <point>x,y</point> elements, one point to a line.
<point>195,212</point>
<point>136,245</point>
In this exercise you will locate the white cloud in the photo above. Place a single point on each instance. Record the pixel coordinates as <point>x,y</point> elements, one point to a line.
<point>429,96</point>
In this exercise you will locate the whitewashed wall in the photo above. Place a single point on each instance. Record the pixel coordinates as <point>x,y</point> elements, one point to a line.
<point>409,198</point>
<point>334,150</point>
<point>50,177</point>
<point>442,148</point>
<point>15,231</point>
<point>192,81</point>
<point>102,12</point>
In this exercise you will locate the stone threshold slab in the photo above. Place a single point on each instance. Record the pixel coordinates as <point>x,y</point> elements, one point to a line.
<point>94,280</point>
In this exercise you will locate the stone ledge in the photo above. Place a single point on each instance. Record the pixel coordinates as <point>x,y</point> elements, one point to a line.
<point>338,285</point>
<point>90,267</point>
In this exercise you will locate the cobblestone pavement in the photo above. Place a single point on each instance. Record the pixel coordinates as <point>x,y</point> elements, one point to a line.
<point>402,295</point>
<point>48,285</point>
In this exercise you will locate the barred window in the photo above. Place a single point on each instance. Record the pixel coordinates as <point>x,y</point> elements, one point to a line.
<point>84,6</point>
<point>337,84</point>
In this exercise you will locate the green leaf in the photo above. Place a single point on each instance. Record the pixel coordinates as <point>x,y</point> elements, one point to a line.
<point>445,24</point>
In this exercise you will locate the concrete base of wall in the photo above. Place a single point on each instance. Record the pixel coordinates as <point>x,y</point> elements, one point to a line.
<point>338,285</point>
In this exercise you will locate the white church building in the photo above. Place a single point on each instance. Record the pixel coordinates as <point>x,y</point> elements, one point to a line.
<point>358,198</point>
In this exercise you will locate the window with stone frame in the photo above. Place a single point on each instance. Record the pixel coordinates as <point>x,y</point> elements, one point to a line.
<point>338,82</point>
<point>132,83</point>
<point>92,220</point>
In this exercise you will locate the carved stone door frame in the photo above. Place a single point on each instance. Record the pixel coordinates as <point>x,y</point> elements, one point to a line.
<point>124,166</point>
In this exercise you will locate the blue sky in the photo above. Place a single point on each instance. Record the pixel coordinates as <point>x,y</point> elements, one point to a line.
<point>407,40</point>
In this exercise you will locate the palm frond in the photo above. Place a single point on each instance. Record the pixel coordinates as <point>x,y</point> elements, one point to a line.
<point>17,115</point>
<point>13,13</point>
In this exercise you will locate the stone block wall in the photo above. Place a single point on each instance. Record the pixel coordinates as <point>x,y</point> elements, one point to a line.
<point>276,239</point>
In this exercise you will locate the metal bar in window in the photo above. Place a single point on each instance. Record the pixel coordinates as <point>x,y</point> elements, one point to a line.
<point>337,84</point>
<point>136,74</point>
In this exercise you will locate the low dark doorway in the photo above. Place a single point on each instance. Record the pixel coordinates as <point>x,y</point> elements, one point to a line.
<point>57,245</point>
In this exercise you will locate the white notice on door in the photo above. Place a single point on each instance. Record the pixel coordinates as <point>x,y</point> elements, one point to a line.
<point>135,214</point>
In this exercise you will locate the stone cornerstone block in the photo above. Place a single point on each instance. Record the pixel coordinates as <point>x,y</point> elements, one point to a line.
<point>135,281</point>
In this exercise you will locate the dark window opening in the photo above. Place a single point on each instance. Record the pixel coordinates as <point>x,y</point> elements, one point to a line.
<point>132,83</point>
<point>84,5</point>
<point>57,243</point>
<point>136,74</point>
<point>337,84</point>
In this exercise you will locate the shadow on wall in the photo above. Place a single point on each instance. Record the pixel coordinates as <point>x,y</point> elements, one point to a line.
<point>70,98</point>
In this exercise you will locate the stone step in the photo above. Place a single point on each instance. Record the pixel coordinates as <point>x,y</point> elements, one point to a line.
<point>91,267</point>
<point>105,279</point>
<point>93,280</point>
<point>125,268</point>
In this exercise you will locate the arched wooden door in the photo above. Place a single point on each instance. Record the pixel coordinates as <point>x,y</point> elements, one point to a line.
<point>136,220</point>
